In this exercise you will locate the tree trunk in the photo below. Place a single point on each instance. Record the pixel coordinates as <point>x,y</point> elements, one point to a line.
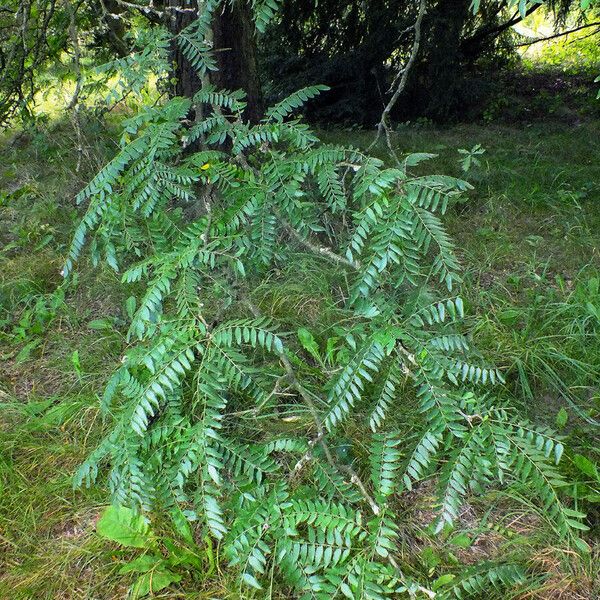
<point>235,44</point>
<point>187,81</point>
<point>235,51</point>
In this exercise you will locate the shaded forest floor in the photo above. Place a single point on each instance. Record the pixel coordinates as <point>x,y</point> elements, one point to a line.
<point>529,238</point>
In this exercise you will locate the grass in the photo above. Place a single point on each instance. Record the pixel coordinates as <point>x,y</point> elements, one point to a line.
<point>528,240</point>
<point>47,541</point>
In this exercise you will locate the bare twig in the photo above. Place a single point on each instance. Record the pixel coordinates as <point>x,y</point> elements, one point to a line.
<point>315,248</point>
<point>74,36</point>
<point>384,126</point>
<point>74,102</point>
<point>561,34</point>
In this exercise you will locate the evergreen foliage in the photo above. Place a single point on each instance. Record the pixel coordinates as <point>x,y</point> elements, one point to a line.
<point>357,49</point>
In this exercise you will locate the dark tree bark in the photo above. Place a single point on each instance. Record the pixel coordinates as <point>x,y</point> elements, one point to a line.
<point>235,51</point>
<point>235,44</point>
<point>443,60</point>
<point>436,86</point>
<point>187,81</point>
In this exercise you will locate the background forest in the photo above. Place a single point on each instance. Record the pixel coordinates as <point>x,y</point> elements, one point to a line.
<point>299,299</point>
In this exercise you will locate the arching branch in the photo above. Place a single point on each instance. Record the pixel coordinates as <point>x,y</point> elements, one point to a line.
<point>561,34</point>
<point>402,75</point>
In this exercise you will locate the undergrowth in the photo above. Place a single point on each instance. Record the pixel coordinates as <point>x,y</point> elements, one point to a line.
<point>538,323</point>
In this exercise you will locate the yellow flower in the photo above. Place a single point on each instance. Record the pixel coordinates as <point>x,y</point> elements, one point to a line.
<point>205,166</point>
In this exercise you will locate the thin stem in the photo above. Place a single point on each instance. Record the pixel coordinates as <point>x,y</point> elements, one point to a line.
<point>383,126</point>
<point>315,248</point>
<point>561,34</point>
<point>74,102</point>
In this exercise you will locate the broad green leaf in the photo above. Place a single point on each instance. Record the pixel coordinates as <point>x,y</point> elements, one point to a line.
<point>121,524</point>
<point>577,525</point>
<point>153,581</point>
<point>251,581</point>
<point>417,157</point>
<point>561,418</point>
<point>443,580</point>
<point>309,343</point>
<point>141,564</point>
<point>101,324</point>
<point>582,545</point>
<point>130,306</point>
<point>27,349</point>
<point>462,540</point>
<point>182,525</point>
<point>585,465</point>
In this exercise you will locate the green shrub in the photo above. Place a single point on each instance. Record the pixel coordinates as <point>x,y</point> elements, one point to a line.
<point>291,449</point>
